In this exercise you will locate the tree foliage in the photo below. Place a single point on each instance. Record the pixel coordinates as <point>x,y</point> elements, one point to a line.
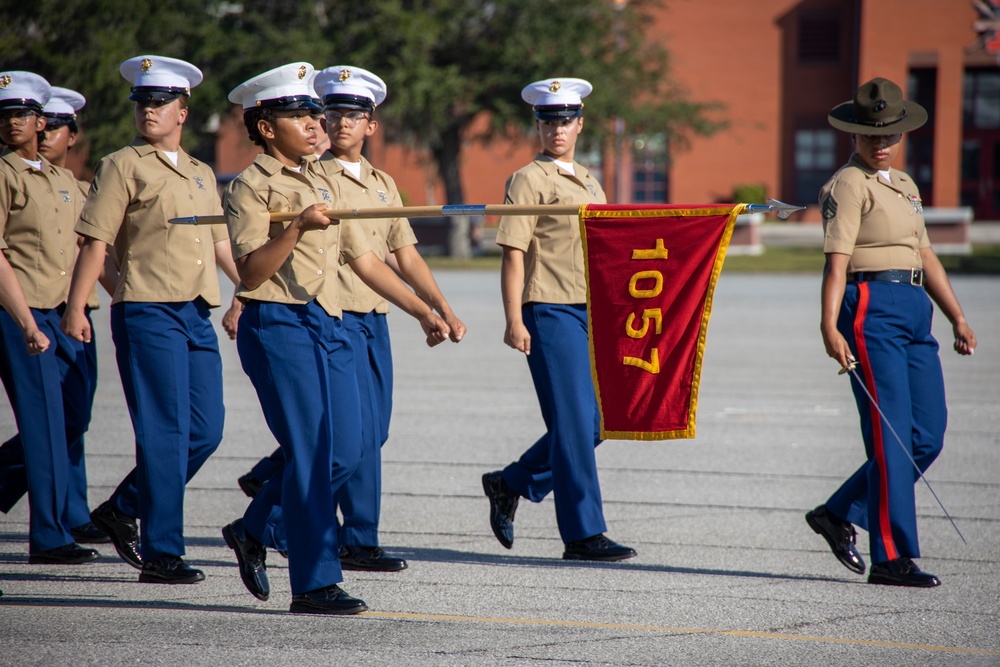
<point>445,61</point>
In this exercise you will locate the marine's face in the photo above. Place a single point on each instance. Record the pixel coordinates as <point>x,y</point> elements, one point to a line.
<point>293,133</point>
<point>57,143</point>
<point>348,128</point>
<point>877,151</point>
<point>559,137</point>
<point>19,127</point>
<point>157,120</point>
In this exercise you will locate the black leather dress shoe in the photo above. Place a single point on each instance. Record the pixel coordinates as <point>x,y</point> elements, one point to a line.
<point>598,547</point>
<point>369,559</point>
<point>330,600</point>
<point>503,505</point>
<point>840,535</point>
<point>122,530</point>
<point>70,554</point>
<point>251,555</point>
<point>250,484</point>
<point>901,572</point>
<point>88,533</point>
<point>169,570</point>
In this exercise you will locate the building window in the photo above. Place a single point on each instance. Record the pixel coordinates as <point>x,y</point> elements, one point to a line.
<point>922,89</point>
<point>981,99</point>
<point>650,184</point>
<point>819,39</point>
<point>815,161</point>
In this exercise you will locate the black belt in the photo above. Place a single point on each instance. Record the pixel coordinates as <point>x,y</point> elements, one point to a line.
<point>909,276</point>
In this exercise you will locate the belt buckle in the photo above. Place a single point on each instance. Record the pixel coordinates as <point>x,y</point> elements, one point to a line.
<point>917,277</point>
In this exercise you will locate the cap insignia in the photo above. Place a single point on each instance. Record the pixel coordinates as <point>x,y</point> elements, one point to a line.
<point>555,87</point>
<point>345,74</point>
<point>880,106</point>
<point>146,64</point>
<point>302,72</point>
<point>5,80</point>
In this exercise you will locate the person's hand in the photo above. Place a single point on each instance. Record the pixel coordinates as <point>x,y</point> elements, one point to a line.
<point>837,348</point>
<point>517,337</point>
<point>231,320</point>
<point>457,327</point>
<point>965,340</point>
<point>36,341</point>
<point>435,328</point>
<point>312,218</point>
<point>75,324</point>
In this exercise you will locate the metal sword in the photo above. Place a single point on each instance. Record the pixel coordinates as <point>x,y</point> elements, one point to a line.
<point>851,368</point>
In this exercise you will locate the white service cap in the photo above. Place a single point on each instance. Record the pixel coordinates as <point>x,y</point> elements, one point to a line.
<point>285,88</point>
<point>23,90</point>
<point>350,87</point>
<point>158,78</point>
<point>554,99</point>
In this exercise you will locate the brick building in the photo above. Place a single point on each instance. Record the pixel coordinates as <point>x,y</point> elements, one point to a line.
<point>778,66</point>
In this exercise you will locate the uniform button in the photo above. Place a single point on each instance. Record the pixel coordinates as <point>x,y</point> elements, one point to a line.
<point>62,252</point>
<point>320,272</point>
<point>899,195</point>
<point>321,251</point>
<point>62,273</point>
<point>190,196</point>
<point>199,262</point>
<point>197,240</point>
<point>364,190</point>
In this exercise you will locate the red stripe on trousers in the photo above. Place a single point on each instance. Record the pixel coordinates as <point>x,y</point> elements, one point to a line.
<point>885,528</point>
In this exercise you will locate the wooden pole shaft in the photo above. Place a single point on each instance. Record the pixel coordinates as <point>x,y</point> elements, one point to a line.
<point>406,212</point>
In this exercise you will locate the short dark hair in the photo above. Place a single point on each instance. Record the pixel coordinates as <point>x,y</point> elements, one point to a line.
<point>251,117</point>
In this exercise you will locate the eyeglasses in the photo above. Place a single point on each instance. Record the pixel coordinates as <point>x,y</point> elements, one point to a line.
<point>18,117</point>
<point>351,118</point>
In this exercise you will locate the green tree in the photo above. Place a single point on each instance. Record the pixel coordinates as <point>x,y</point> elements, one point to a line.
<point>446,62</point>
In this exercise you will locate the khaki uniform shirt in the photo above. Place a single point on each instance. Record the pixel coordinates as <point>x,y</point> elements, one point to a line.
<point>554,271</point>
<point>310,272</point>
<point>374,189</point>
<point>136,190</point>
<point>879,224</point>
<point>38,209</point>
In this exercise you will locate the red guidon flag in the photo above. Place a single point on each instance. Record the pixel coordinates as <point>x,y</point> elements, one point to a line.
<point>651,273</point>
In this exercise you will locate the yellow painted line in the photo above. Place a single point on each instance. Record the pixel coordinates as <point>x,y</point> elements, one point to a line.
<point>656,628</point>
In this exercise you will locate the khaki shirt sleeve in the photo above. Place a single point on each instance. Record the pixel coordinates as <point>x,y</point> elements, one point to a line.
<point>517,231</point>
<point>247,218</point>
<point>353,241</point>
<point>842,203</point>
<point>400,231</point>
<point>104,212</point>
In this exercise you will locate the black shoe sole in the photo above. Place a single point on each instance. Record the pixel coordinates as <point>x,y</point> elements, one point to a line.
<point>232,543</point>
<point>42,560</point>
<point>309,608</point>
<point>833,545</point>
<point>363,567</point>
<point>908,584</point>
<point>599,559</point>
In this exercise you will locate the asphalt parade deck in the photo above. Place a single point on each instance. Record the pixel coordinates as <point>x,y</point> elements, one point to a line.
<point>728,572</point>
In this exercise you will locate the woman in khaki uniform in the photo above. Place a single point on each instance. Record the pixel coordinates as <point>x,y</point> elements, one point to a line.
<point>165,344</point>
<point>51,393</point>
<point>545,303</point>
<point>879,282</point>
<point>292,341</point>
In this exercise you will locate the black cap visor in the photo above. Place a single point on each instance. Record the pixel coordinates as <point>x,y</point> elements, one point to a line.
<point>558,111</point>
<point>341,101</point>
<point>21,103</point>
<point>56,120</point>
<point>291,103</point>
<point>157,93</point>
